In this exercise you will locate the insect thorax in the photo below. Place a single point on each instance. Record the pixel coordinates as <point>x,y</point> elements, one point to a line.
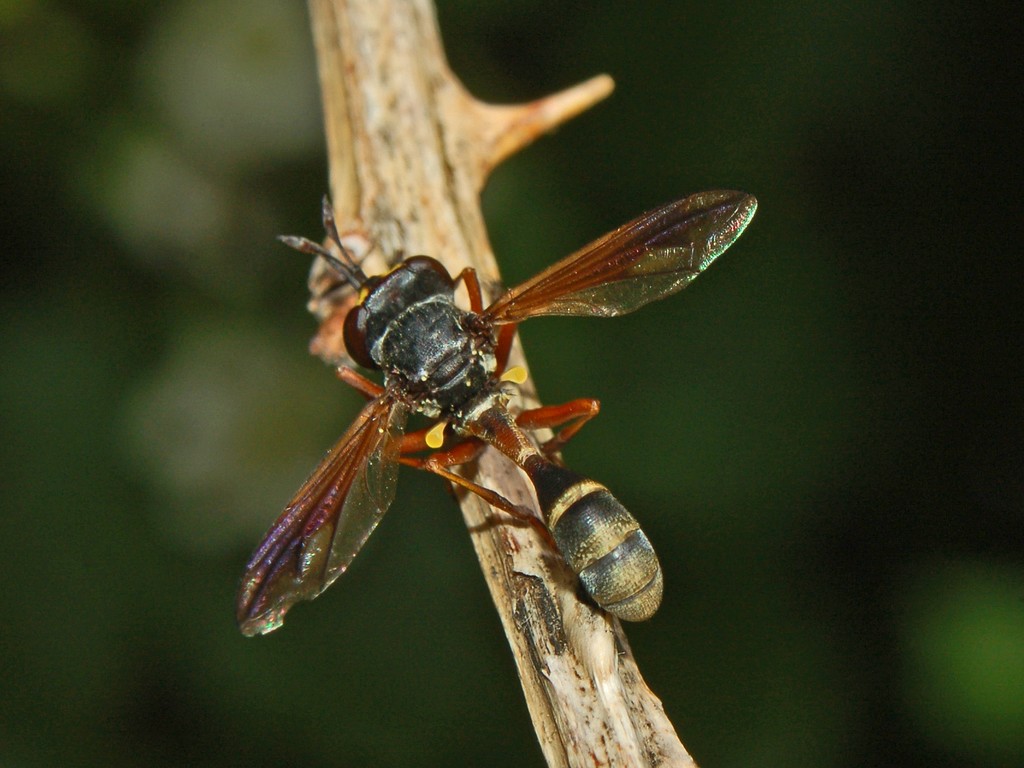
<point>429,353</point>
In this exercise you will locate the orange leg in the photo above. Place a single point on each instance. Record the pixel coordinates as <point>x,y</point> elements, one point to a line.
<point>476,303</point>
<point>438,462</point>
<point>469,278</point>
<point>504,346</point>
<point>360,383</point>
<point>412,442</point>
<point>463,453</point>
<point>575,414</point>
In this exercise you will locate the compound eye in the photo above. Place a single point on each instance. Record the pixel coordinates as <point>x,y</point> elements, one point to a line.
<point>429,270</point>
<point>355,337</point>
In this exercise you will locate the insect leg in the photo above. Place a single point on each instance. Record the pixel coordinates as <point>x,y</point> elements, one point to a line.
<point>360,383</point>
<point>463,453</point>
<point>476,303</point>
<point>504,345</point>
<point>472,283</point>
<point>575,414</point>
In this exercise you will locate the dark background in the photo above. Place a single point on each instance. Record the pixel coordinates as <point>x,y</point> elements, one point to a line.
<point>821,436</point>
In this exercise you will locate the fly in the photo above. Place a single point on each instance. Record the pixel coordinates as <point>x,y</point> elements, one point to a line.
<point>451,365</point>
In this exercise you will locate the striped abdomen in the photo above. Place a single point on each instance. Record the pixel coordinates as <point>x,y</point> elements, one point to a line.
<point>601,541</point>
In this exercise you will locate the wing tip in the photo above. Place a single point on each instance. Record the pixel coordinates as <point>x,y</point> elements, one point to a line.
<point>735,210</point>
<point>746,207</point>
<point>261,624</point>
<point>253,615</point>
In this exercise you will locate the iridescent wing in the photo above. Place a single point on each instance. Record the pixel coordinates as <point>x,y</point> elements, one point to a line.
<point>326,524</point>
<point>649,258</point>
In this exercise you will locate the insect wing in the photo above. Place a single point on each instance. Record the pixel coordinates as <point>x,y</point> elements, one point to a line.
<point>649,258</point>
<point>326,524</point>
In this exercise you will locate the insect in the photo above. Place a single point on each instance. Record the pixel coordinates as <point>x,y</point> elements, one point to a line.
<point>450,365</point>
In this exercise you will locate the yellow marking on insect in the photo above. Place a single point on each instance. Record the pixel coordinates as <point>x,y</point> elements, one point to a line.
<point>570,496</point>
<point>516,374</point>
<point>435,437</point>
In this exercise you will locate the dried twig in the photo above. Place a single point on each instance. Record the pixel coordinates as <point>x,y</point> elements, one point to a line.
<point>410,151</point>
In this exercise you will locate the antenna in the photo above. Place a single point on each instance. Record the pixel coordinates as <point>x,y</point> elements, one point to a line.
<point>345,266</point>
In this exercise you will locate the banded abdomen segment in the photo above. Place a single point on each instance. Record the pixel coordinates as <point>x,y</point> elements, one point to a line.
<point>600,540</point>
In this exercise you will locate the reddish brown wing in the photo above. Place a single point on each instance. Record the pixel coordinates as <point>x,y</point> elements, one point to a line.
<point>647,259</point>
<point>325,525</point>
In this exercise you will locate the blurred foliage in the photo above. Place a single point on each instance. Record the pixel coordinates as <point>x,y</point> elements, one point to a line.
<point>822,436</point>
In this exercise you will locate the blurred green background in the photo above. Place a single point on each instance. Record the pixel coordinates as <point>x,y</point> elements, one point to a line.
<point>822,436</point>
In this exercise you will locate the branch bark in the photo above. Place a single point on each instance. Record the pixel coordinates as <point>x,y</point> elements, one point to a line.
<point>409,152</point>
